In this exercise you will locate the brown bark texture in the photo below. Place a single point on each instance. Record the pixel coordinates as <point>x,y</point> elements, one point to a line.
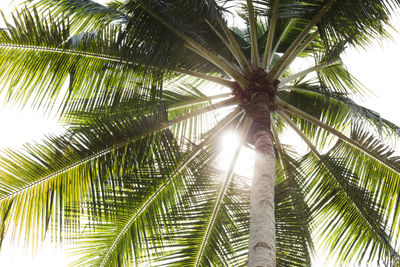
<point>262,241</point>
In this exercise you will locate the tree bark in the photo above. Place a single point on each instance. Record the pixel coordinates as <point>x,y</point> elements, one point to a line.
<point>262,241</point>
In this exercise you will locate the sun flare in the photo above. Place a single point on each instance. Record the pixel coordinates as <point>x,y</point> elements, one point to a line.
<point>243,166</point>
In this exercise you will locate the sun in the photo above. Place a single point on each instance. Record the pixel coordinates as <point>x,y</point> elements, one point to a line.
<point>228,144</point>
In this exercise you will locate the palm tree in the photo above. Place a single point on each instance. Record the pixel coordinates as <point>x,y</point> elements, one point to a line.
<point>134,180</point>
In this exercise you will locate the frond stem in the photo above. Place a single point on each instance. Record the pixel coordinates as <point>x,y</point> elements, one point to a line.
<point>229,45</point>
<point>197,101</point>
<point>309,70</point>
<point>241,57</point>
<point>63,51</point>
<point>271,33</point>
<point>295,88</point>
<point>278,42</point>
<point>220,63</point>
<point>299,132</point>
<point>296,53</point>
<point>275,70</point>
<point>255,58</point>
<point>221,81</point>
<point>214,79</point>
<point>209,108</point>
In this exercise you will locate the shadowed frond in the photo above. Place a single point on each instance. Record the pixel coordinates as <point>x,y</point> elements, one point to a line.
<point>61,69</point>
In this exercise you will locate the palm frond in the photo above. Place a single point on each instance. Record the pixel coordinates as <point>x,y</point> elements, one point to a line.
<point>379,176</point>
<point>294,242</point>
<point>90,67</point>
<point>336,109</point>
<point>169,186</point>
<point>347,208</point>
<point>84,16</point>
<point>74,162</point>
<point>295,210</point>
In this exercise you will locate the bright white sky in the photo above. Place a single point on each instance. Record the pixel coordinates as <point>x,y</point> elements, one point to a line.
<point>377,68</point>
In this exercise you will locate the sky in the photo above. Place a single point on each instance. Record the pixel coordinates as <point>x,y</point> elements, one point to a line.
<point>376,67</point>
<point>19,126</point>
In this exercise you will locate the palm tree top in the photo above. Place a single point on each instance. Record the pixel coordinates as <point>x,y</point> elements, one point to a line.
<point>134,176</point>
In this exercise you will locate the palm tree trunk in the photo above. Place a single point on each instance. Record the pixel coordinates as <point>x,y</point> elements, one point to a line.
<point>262,248</point>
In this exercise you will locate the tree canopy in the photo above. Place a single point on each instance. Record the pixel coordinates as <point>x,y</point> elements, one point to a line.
<point>146,87</point>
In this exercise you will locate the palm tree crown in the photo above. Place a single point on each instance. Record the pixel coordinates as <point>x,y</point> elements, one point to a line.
<point>134,180</point>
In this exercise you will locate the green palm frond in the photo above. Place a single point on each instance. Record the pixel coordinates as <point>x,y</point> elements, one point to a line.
<point>90,63</point>
<point>294,243</point>
<point>84,15</point>
<point>291,178</point>
<point>180,99</point>
<point>146,227</point>
<point>76,161</point>
<point>358,22</point>
<point>142,199</point>
<point>90,66</point>
<point>164,194</point>
<point>334,109</point>
<point>345,207</point>
<point>381,171</point>
<point>73,162</point>
<point>227,239</point>
<point>188,110</point>
<point>352,21</point>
